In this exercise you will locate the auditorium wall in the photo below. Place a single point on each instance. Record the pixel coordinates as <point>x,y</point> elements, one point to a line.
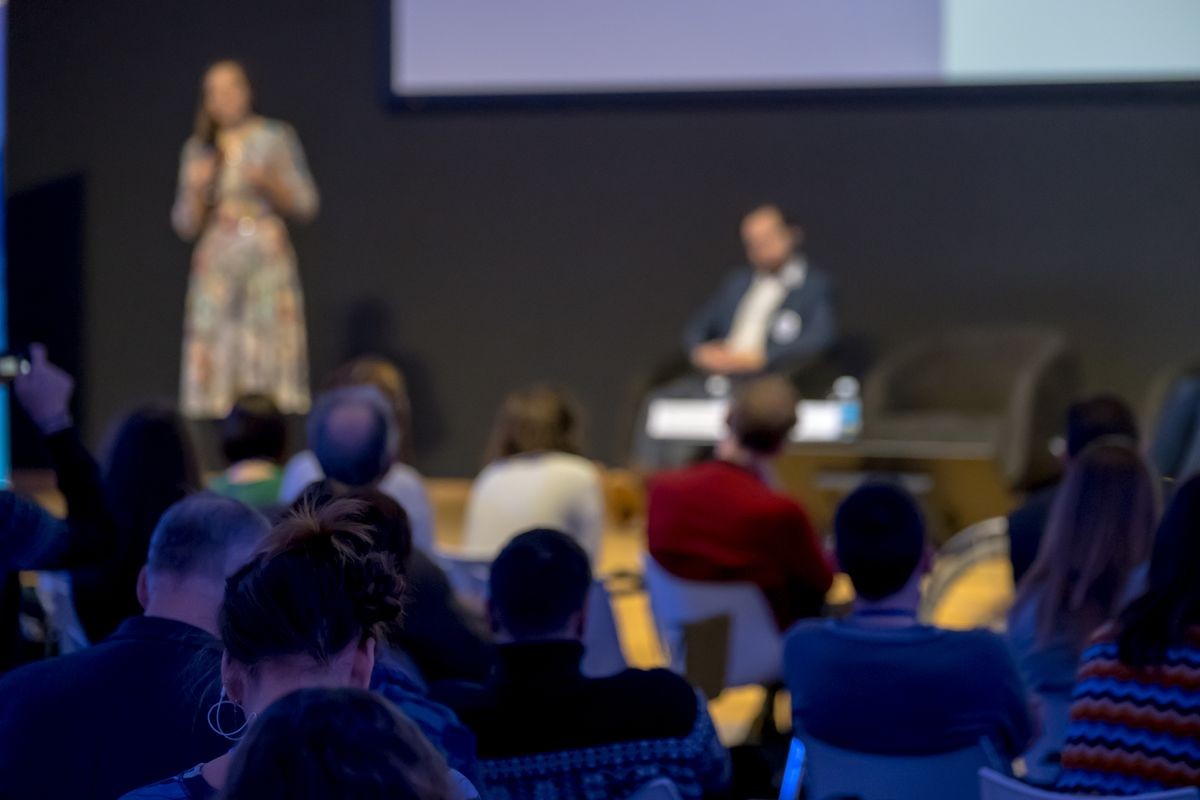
<point>487,248</point>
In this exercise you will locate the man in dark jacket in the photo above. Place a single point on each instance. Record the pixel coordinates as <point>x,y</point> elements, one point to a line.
<point>134,707</point>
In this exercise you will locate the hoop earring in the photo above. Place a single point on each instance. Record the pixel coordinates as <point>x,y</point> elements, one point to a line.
<point>214,718</point>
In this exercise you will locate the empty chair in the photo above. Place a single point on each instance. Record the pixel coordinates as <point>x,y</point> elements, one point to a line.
<point>832,773</point>
<point>1004,387</point>
<point>750,651</point>
<point>995,786</point>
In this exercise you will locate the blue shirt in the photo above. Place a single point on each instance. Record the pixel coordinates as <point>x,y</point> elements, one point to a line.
<point>904,691</point>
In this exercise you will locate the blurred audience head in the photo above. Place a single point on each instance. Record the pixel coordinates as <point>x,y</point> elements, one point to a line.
<point>336,744</point>
<point>770,238</point>
<point>352,433</point>
<point>254,429</point>
<point>763,414</point>
<point>309,608</point>
<point>387,378</point>
<point>1100,530</point>
<point>151,464</point>
<point>537,419</point>
<point>198,543</point>
<point>1162,616</point>
<point>225,99</point>
<point>1099,417</point>
<point>880,540</point>
<point>538,587</point>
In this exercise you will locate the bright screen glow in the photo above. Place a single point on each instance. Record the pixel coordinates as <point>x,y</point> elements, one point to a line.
<point>484,47</point>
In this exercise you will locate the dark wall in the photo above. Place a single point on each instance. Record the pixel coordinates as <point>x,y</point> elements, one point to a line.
<point>497,247</point>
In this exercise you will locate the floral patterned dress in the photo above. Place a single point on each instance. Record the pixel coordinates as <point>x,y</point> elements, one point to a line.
<point>244,323</point>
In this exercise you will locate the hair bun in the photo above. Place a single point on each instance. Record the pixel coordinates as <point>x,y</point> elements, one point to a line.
<point>376,589</point>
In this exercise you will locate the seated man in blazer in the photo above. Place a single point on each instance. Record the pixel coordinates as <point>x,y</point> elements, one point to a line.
<point>774,314</point>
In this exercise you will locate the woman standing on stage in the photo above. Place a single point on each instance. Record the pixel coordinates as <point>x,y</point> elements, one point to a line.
<point>240,176</point>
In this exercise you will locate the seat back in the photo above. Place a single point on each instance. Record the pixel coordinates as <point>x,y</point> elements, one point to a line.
<point>602,654</point>
<point>995,786</point>
<point>468,577</point>
<point>753,652</point>
<point>972,545</point>
<point>832,773</point>
<point>1008,387</point>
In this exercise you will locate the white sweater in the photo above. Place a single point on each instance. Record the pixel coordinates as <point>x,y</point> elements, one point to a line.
<point>535,490</point>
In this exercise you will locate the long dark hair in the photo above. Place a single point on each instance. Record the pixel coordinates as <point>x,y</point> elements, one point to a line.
<point>205,129</point>
<point>151,465</point>
<point>1161,617</point>
<point>1100,529</point>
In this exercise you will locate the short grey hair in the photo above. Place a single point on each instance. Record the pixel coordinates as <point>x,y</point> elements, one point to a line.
<point>198,534</point>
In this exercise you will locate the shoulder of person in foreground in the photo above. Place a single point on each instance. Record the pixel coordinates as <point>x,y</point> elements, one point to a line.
<point>174,788</point>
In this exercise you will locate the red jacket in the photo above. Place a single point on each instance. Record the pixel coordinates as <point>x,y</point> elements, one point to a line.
<point>718,521</point>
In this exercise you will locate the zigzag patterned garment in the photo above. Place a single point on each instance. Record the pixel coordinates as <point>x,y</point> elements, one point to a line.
<point>1134,730</point>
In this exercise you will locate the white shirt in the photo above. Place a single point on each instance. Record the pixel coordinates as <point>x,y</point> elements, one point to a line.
<point>535,490</point>
<point>752,320</point>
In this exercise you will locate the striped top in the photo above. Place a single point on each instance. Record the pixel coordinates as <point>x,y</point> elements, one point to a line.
<point>1134,730</point>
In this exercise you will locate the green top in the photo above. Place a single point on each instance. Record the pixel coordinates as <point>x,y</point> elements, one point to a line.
<point>257,494</point>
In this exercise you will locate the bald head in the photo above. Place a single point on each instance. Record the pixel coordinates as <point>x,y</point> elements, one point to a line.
<point>349,434</point>
<point>769,238</point>
<point>763,413</point>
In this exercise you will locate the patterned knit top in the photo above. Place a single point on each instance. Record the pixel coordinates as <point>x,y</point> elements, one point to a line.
<point>1134,730</point>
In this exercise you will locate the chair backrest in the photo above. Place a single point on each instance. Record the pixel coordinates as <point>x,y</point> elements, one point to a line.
<point>995,786</point>
<point>468,577</point>
<point>602,654</point>
<point>831,773</point>
<point>754,651</point>
<point>983,540</point>
<point>968,370</point>
<point>658,789</point>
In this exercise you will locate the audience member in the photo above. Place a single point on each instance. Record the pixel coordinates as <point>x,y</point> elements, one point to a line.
<point>1090,563</point>
<point>397,478</point>
<point>397,675</point>
<point>253,439</point>
<point>546,730</point>
<point>1135,715</point>
<point>439,635</point>
<point>1099,417</point>
<point>535,477</point>
<point>723,520</point>
<point>882,682</point>
<point>336,744</point>
<point>150,465</point>
<point>308,611</point>
<point>130,709</point>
